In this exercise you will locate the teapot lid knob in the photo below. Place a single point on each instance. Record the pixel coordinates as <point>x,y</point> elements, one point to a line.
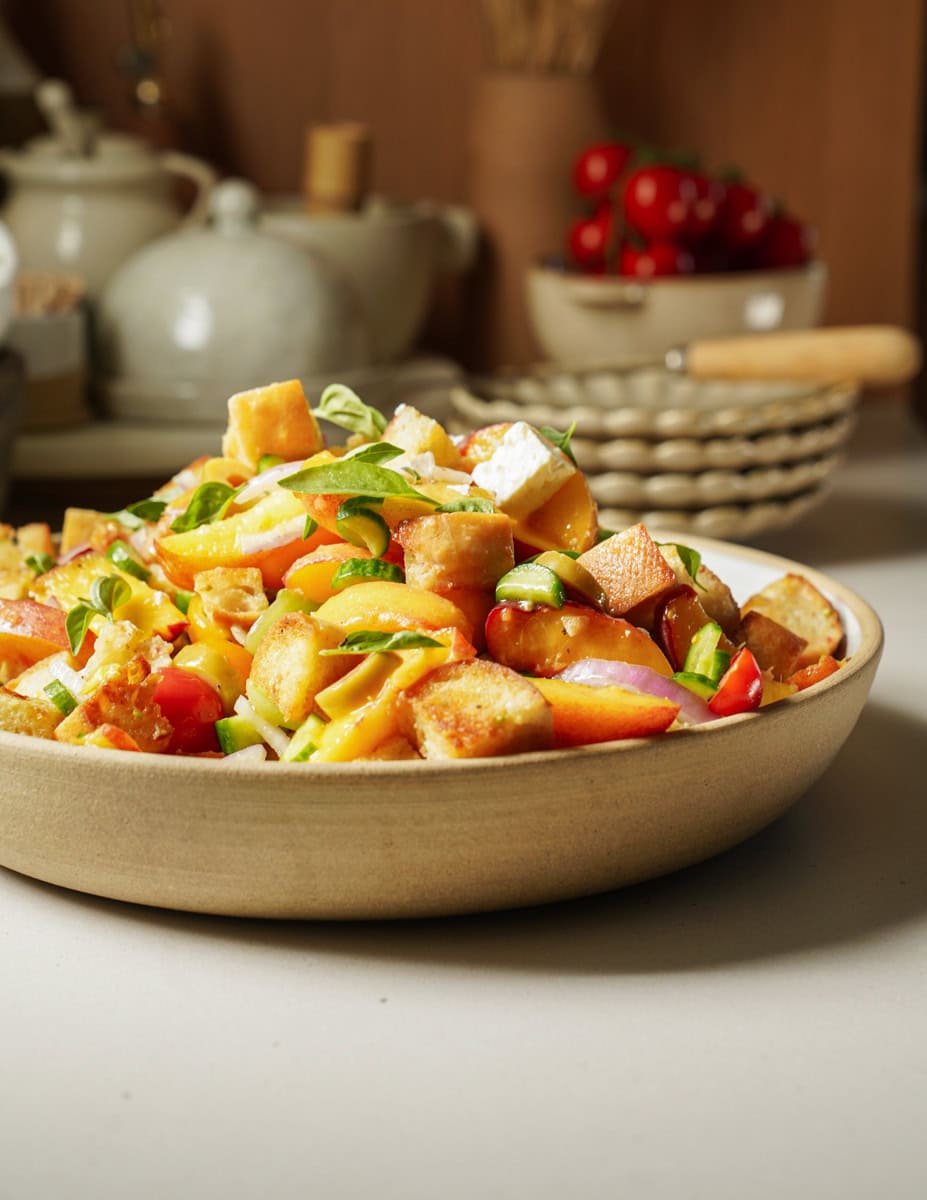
<point>234,205</point>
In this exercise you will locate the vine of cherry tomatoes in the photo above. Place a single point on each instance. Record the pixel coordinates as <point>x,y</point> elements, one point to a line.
<point>647,219</point>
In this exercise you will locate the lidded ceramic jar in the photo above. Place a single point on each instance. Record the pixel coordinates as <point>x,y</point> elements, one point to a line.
<point>202,313</point>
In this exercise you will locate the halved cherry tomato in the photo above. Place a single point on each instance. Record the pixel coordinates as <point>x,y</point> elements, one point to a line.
<point>192,706</point>
<point>741,686</point>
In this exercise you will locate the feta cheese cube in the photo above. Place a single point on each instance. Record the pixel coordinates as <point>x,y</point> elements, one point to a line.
<point>523,471</point>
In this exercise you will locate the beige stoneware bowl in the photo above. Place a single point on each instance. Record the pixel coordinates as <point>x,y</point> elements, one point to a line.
<point>376,840</point>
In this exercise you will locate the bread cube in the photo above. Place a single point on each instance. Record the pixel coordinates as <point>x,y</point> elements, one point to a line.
<point>797,604</point>
<point>630,569</point>
<point>774,647</point>
<point>475,709</point>
<point>288,668</point>
<point>232,595</point>
<point>30,716</point>
<point>275,419</point>
<point>457,550</point>
<point>127,701</point>
<point>417,433</point>
<point>715,596</point>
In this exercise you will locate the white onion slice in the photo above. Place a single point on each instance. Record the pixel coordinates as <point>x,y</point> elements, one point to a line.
<point>260,485</point>
<point>66,676</point>
<point>272,539</point>
<point>274,737</point>
<point>255,753</point>
<point>602,672</point>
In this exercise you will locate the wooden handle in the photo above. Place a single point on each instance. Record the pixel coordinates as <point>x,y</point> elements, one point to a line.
<point>874,355</point>
<point>336,174</point>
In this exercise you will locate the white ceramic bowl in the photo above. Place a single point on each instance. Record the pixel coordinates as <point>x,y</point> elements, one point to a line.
<point>580,319</point>
<point>400,839</point>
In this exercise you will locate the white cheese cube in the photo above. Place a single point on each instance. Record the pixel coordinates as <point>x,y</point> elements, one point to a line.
<point>523,471</point>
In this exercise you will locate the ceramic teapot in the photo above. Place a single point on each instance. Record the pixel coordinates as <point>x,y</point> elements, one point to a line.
<point>85,215</point>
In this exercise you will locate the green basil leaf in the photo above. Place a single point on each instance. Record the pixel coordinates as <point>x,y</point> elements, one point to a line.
<point>207,504</point>
<point>375,452</point>
<point>310,527</point>
<point>341,406</point>
<point>474,504</point>
<point>77,623</point>
<point>40,563</point>
<point>691,560</point>
<point>148,510</point>
<point>350,478</point>
<point>107,592</point>
<point>368,641</point>
<point>563,441</point>
<point>120,556</point>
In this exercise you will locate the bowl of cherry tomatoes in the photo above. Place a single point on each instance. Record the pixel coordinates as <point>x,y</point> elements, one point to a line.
<point>665,252</point>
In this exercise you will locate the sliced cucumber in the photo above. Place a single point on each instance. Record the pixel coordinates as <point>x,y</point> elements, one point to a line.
<point>574,576</point>
<point>235,733</point>
<point>303,743</point>
<point>531,583</point>
<point>703,656</point>
<point>286,601</point>
<point>363,570</point>
<point>699,684</point>
<point>361,525</point>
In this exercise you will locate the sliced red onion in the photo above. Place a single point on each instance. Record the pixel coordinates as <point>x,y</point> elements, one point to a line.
<point>272,539</point>
<point>75,552</point>
<point>602,672</point>
<point>261,484</point>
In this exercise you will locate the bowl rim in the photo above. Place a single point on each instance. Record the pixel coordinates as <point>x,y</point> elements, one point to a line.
<point>816,269</point>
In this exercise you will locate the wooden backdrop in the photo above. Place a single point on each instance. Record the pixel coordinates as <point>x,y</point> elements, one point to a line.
<point>817,99</point>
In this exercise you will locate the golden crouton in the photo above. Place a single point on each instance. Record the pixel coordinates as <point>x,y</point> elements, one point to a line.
<point>716,597</point>
<point>87,527</point>
<point>394,749</point>
<point>275,419</point>
<point>417,433</point>
<point>288,668</point>
<point>774,647</point>
<point>475,709</point>
<point>797,604</point>
<point>232,595</point>
<point>456,550</point>
<point>126,701</point>
<point>630,569</point>
<point>33,717</point>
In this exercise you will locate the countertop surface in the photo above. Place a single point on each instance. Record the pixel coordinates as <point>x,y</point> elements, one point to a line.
<point>754,1026</point>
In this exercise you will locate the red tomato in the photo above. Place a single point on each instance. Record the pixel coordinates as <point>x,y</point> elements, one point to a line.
<point>787,242</point>
<point>658,201</point>
<point>598,168</point>
<point>657,259</point>
<point>705,212</point>
<point>741,686</point>
<point>745,216</point>
<point>589,237</point>
<point>192,706</point>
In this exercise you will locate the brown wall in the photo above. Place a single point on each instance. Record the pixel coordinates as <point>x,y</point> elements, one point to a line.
<point>817,99</point>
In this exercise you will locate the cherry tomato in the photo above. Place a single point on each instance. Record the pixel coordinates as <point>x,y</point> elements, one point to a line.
<point>589,237</point>
<point>657,259</point>
<point>741,686</point>
<point>598,168</point>
<point>658,201</point>
<point>787,242</point>
<point>745,216</point>
<point>192,706</point>
<point>705,212</point>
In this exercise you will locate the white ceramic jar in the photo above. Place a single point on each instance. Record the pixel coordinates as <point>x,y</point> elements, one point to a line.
<point>200,314</point>
<point>85,216</point>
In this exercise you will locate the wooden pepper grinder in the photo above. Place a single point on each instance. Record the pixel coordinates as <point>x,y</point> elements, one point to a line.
<point>338,161</point>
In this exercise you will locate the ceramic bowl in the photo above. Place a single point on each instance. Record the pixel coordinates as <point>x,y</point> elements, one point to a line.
<point>580,319</point>
<point>370,840</point>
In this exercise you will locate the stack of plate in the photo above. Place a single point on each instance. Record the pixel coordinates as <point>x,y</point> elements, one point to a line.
<point>724,459</point>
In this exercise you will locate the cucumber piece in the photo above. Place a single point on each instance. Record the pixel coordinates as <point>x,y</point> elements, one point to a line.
<point>303,742</point>
<point>362,570</point>
<point>703,656</point>
<point>531,583</point>
<point>574,576</point>
<point>266,461</point>
<point>362,526</point>
<point>235,733</point>
<point>286,601</point>
<point>699,684</point>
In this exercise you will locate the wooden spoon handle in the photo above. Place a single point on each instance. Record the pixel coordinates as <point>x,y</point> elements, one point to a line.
<point>874,355</point>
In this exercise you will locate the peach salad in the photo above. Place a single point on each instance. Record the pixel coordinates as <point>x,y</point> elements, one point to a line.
<point>405,595</point>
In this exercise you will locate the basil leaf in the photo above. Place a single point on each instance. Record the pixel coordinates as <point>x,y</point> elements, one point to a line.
<point>76,625</point>
<point>310,527</point>
<point>40,563</point>
<point>120,556</point>
<point>107,592</point>
<point>368,641</point>
<point>474,504</point>
<point>691,560</point>
<point>148,510</point>
<point>350,478</point>
<point>343,407</point>
<point>207,504</point>
<point>375,452</point>
<point>561,440</point>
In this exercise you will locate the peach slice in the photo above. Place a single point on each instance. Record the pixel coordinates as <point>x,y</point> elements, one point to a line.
<point>385,606</point>
<point>585,714</point>
<point>29,632</point>
<point>311,575</point>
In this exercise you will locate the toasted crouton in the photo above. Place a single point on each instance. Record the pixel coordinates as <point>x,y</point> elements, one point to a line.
<point>288,668</point>
<point>630,569</point>
<point>127,701</point>
<point>774,647</point>
<point>417,433</point>
<point>87,527</point>
<point>715,596</point>
<point>33,717</point>
<point>275,419</point>
<point>475,709</point>
<point>797,604</point>
<point>232,595</point>
<point>456,550</point>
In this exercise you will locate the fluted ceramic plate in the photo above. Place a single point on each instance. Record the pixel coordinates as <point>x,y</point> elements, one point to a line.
<point>737,522</point>
<point>400,839</point>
